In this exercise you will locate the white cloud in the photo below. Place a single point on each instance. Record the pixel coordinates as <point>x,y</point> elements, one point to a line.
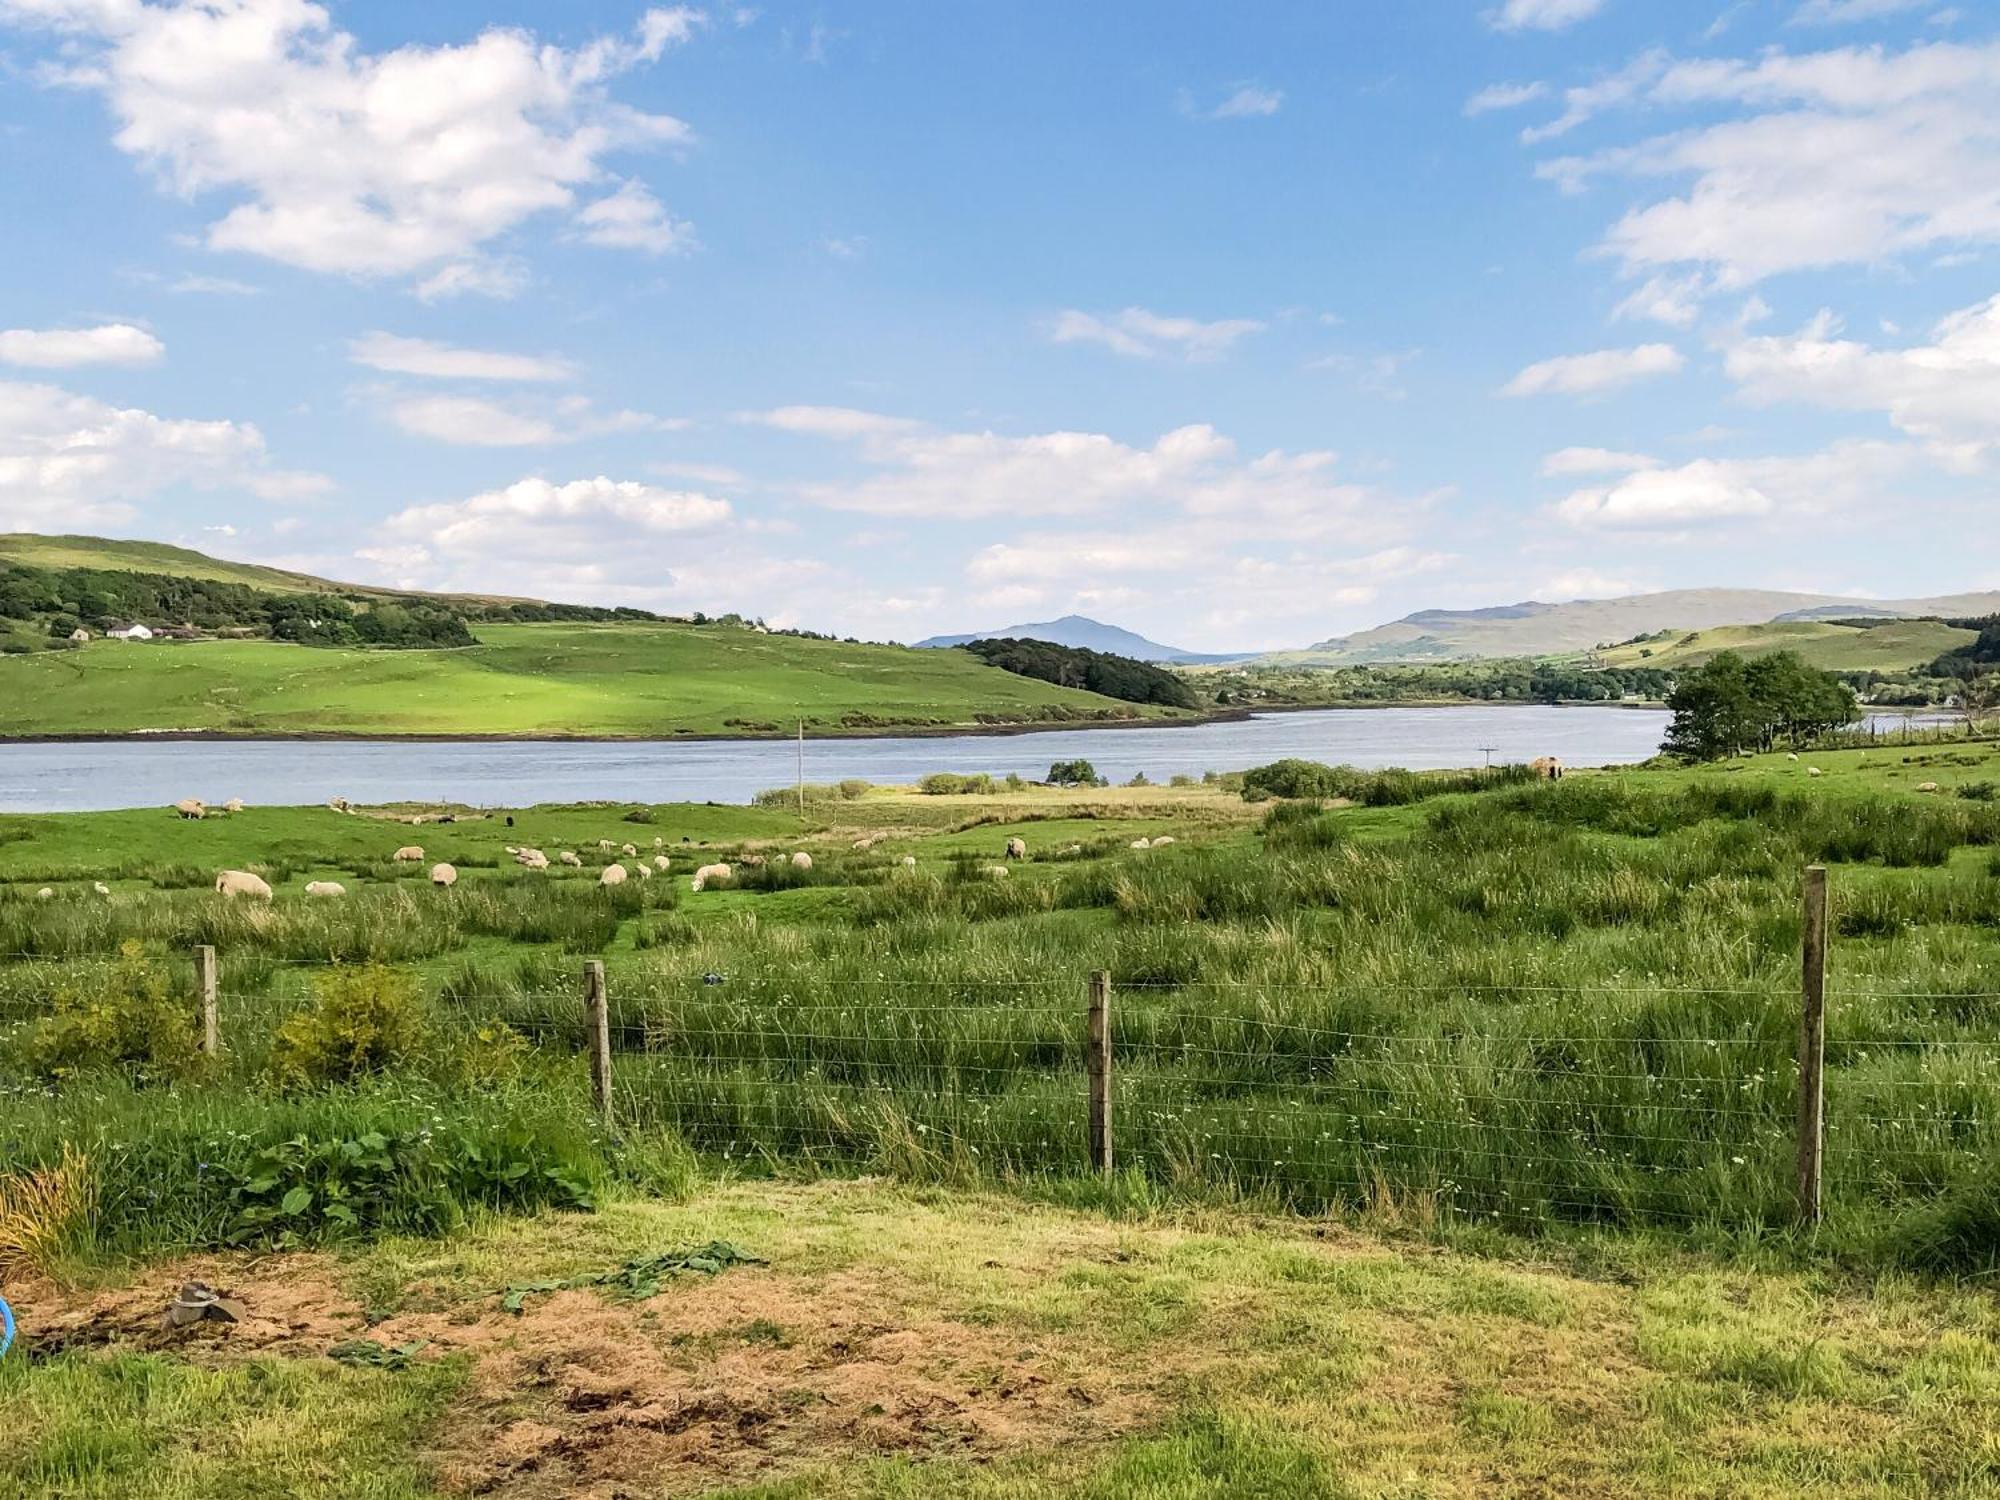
<point>354,162</point>
<point>1710,492</point>
<point>476,277</point>
<point>1857,155</point>
<point>1145,334</point>
<point>1541,15</point>
<point>1599,371</point>
<point>1673,300</point>
<point>1588,583</point>
<point>633,219</point>
<point>66,348</point>
<point>1505,96</point>
<point>407,356</point>
<point>531,515</point>
<point>1250,101</point>
<point>1594,461</point>
<point>215,286</point>
<point>1846,12</point>
<point>479,422</point>
<point>1946,392</point>
<point>69,462</point>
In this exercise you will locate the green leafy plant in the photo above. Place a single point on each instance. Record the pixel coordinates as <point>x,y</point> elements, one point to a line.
<point>359,1021</point>
<point>125,1016</point>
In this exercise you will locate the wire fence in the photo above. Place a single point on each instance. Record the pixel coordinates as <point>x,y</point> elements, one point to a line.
<point>1627,1113</point>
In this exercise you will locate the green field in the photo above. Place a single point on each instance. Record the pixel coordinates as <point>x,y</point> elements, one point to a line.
<point>39,551</point>
<point>629,680</point>
<point>1455,1138</point>
<point>1887,646</point>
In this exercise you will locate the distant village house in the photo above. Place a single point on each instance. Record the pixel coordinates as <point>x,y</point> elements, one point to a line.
<point>122,630</point>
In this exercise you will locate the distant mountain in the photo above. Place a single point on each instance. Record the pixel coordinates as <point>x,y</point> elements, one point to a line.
<point>1080,630</point>
<point>1539,629</point>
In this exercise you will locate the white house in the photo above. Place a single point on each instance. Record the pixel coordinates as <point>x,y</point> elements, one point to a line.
<point>79,634</point>
<point>129,633</point>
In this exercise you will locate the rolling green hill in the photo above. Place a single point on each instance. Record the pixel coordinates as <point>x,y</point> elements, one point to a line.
<point>1883,646</point>
<point>558,680</point>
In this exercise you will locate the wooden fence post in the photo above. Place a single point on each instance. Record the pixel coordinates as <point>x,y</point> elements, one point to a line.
<point>1098,1059</point>
<point>597,1016</point>
<point>1812,1049</point>
<point>205,987</point>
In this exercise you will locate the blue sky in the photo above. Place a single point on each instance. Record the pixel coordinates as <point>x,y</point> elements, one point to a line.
<point>1240,326</point>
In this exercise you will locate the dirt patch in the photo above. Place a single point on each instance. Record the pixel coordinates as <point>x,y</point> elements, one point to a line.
<point>747,1376</point>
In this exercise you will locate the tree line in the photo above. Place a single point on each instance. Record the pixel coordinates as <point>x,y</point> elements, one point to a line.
<point>1098,672</point>
<point>1730,705</point>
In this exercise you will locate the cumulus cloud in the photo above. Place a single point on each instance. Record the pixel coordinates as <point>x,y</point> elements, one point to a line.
<point>68,462</point>
<point>1541,15</point>
<point>1673,300</point>
<point>1856,155</point>
<point>360,163</point>
<point>1149,335</point>
<point>66,348</point>
<point>1946,392</point>
<point>1594,373</point>
<point>633,219</point>
<point>407,356</point>
<point>1709,492</point>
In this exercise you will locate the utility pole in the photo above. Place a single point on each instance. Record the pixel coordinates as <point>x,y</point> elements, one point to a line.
<point>1488,750</point>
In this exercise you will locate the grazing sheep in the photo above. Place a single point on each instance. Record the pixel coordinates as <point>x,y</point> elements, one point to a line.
<point>1814,771</point>
<point>707,873</point>
<point>754,861</point>
<point>1142,843</point>
<point>1017,848</point>
<point>409,854</point>
<point>643,870</point>
<point>628,851</point>
<point>101,888</point>
<point>46,893</point>
<point>233,805</point>
<point>571,858</point>
<point>996,872</point>
<point>658,842</point>
<point>604,846</point>
<point>662,863</point>
<point>234,883</point>
<point>191,807</point>
<point>325,888</point>
<point>909,862</point>
<point>444,875</point>
<point>510,848</point>
<point>869,840</point>
<point>1791,755</point>
<point>1927,786</point>
<point>613,875</point>
<point>340,804</point>
<point>1163,840</point>
<point>532,859</point>
<point>802,861</point>
<point>1547,767</point>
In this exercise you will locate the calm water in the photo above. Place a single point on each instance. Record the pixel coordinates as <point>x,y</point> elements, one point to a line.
<point>87,777</point>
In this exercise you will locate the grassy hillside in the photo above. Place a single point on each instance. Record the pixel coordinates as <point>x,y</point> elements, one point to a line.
<point>638,679</point>
<point>1889,646</point>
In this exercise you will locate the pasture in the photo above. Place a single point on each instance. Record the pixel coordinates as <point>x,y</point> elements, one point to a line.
<point>1551,1028</point>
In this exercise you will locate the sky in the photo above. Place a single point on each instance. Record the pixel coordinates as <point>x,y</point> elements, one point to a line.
<point>1240,326</point>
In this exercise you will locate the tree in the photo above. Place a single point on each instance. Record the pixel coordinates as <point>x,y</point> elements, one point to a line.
<point>1729,705</point>
<point>1072,773</point>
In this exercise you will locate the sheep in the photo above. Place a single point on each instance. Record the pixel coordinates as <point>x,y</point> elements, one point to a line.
<point>191,807</point>
<point>1791,755</point>
<point>658,842</point>
<point>571,858</point>
<point>1142,843</point>
<point>444,875</point>
<point>234,883</point>
<point>1547,767</point>
<point>643,870</point>
<point>662,863</point>
<point>46,893</point>
<point>510,848</point>
<point>628,851</point>
<point>340,804</point>
<point>604,846</point>
<point>707,873</point>
<point>996,872</point>
<point>754,861</point>
<point>909,862</point>
<point>325,888</point>
<point>802,861</point>
<point>409,854</point>
<point>233,805</point>
<point>532,859</point>
<point>613,875</point>
<point>1163,840</point>
<point>1074,849</point>
<point>101,888</point>
<point>1814,771</point>
<point>1017,848</point>
<point>1927,786</point>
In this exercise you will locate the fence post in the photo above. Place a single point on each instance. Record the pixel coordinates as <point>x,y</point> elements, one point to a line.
<point>1098,1059</point>
<point>1812,1049</point>
<point>205,987</point>
<point>597,1016</point>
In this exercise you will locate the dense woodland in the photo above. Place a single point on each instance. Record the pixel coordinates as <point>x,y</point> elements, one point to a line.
<point>1096,671</point>
<point>1510,680</point>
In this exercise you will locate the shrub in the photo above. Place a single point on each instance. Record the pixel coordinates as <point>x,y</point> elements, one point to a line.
<point>128,1016</point>
<point>360,1021</point>
<point>1072,773</point>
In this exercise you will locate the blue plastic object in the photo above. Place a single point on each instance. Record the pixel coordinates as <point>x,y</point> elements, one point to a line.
<point>6,1326</point>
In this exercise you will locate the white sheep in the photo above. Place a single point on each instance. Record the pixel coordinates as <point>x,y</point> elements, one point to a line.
<point>340,804</point>
<point>101,888</point>
<point>1814,771</point>
<point>325,888</point>
<point>643,870</point>
<point>234,805</point>
<point>409,854</point>
<point>662,863</point>
<point>613,875</point>
<point>996,872</point>
<point>191,807</point>
<point>1791,755</point>
<point>510,848</point>
<point>658,842</point>
<point>604,846</point>
<point>1163,840</point>
<point>802,861</point>
<point>46,893</point>
<point>1142,843</point>
<point>571,858</point>
<point>628,851</point>
<point>444,875</point>
<point>1927,786</point>
<point>909,862</point>
<point>1017,848</point>
<point>707,873</point>
<point>234,883</point>
<point>532,859</point>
